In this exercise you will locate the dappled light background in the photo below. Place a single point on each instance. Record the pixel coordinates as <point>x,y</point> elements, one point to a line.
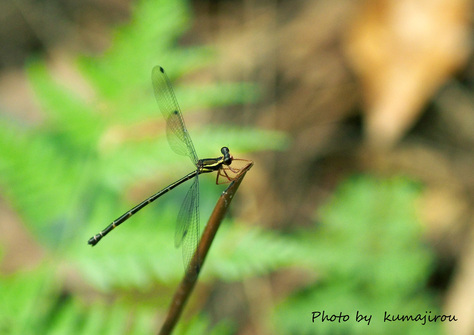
<point>359,116</point>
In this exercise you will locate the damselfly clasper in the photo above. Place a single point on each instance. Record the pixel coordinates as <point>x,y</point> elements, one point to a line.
<point>187,227</point>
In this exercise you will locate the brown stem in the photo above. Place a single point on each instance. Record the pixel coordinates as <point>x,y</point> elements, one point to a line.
<point>187,284</point>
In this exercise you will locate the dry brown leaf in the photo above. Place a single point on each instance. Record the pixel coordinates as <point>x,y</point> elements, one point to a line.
<point>460,297</point>
<point>403,50</point>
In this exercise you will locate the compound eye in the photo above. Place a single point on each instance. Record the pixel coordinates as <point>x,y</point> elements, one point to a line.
<point>225,151</point>
<point>227,156</point>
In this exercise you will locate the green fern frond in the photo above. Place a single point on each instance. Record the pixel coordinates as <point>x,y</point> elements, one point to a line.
<point>92,157</point>
<point>369,251</point>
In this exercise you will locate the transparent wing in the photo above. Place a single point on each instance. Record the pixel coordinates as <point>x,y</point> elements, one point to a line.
<point>187,228</point>
<point>178,136</point>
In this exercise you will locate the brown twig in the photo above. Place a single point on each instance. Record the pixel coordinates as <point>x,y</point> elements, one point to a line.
<point>187,284</point>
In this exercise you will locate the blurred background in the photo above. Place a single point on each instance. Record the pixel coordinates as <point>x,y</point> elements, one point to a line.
<point>359,116</point>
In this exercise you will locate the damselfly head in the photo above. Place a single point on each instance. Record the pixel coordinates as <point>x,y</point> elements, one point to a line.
<point>227,156</point>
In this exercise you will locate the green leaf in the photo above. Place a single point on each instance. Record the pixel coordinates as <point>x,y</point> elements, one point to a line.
<point>369,250</point>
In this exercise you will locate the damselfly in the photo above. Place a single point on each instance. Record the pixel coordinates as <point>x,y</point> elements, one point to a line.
<point>187,228</point>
